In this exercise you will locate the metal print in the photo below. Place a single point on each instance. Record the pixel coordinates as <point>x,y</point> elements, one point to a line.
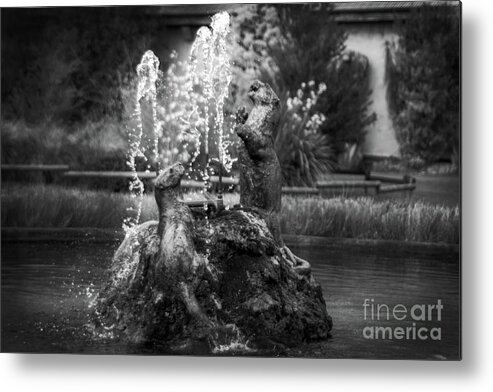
<point>238,180</point>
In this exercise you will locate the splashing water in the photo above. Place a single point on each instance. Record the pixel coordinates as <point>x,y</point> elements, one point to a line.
<point>222,76</point>
<point>147,74</point>
<point>235,343</point>
<point>210,73</point>
<point>200,75</point>
<point>211,70</point>
<point>206,84</point>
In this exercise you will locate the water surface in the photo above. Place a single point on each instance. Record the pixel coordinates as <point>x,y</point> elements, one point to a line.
<point>47,290</point>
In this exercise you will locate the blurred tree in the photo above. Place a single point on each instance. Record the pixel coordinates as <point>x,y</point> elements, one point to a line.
<point>423,72</point>
<point>71,64</point>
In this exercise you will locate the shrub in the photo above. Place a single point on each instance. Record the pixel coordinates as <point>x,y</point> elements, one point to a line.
<point>423,71</point>
<point>304,153</point>
<point>346,106</point>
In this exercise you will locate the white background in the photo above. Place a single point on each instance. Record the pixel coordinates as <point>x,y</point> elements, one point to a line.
<point>474,372</point>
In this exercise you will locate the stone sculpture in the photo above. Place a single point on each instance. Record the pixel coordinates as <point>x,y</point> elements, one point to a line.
<point>260,171</point>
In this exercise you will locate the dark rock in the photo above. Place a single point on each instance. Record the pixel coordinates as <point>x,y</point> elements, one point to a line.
<point>247,289</point>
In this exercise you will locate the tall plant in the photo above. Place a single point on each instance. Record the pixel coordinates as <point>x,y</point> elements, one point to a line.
<point>424,84</point>
<point>304,153</point>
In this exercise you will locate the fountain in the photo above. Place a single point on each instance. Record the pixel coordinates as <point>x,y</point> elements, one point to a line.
<point>222,282</point>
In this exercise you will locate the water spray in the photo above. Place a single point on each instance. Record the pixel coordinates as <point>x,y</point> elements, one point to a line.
<point>210,69</point>
<point>147,74</point>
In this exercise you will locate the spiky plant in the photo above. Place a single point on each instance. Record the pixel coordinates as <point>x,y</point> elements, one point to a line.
<point>304,153</point>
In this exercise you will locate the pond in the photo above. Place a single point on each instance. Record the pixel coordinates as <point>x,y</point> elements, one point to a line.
<point>47,289</point>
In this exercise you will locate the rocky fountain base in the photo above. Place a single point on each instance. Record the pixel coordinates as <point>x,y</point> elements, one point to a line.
<point>198,284</point>
<point>246,290</point>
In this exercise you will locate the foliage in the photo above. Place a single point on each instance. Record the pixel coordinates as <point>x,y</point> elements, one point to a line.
<point>424,84</point>
<point>338,217</point>
<point>47,89</point>
<point>352,158</point>
<point>304,153</point>
<point>94,146</point>
<point>72,64</point>
<point>286,45</point>
<point>347,105</point>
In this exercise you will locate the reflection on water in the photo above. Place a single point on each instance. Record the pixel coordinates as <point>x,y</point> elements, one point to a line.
<point>47,291</point>
<point>349,277</point>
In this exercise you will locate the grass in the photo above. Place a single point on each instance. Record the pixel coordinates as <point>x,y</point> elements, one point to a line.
<point>365,218</point>
<point>56,206</point>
